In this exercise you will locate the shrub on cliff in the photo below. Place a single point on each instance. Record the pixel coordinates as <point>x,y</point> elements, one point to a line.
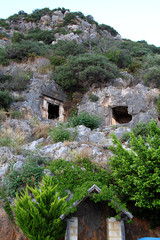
<point>17,37</point>
<point>21,51</point>
<point>89,120</point>
<point>40,35</point>
<point>5,99</point>
<point>84,70</point>
<point>64,49</point>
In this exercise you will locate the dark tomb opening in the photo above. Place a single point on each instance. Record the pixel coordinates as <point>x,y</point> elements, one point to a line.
<point>53,111</point>
<point>120,114</point>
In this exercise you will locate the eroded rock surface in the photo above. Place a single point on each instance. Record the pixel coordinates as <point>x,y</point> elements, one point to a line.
<point>8,231</point>
<point>120,105</point>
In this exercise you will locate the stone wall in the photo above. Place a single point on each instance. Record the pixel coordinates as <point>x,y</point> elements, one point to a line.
<point>113,229</point>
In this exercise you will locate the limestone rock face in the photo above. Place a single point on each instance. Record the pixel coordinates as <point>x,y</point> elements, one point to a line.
<point>8,231</point>
<point>122,105</point>
<point>57,17</point>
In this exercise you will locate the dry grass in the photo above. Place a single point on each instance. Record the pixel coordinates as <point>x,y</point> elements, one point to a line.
<point>81,155</point>
<point>11,138</point>
<point>41,130</point>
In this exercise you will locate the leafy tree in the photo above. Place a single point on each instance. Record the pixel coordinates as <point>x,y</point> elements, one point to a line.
<point>135,172</point>
<point>40,219</point>
<point>84,70</point>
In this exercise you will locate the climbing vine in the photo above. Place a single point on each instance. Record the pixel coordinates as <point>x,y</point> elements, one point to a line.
<point>78,177</point>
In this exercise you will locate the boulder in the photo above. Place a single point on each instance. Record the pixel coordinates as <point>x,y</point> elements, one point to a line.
<point>4,170</point>
<point>18,165</point>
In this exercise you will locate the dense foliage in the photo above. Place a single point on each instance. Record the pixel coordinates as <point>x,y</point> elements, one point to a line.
<point>6,98</point>
<point>91,121</point>
<point>40,35</point>
<point>24,49</point>
<point>135,172</point>
<point>18,81</point>
<point>78,176</point>
<point>40,219</point>
<point>84,70</point>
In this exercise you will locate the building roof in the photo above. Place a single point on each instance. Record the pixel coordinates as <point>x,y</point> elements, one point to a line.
<point>96,189</point>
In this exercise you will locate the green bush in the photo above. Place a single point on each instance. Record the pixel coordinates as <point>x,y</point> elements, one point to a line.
<point>36,15</point>
<point>113,55</point>
<point>17,37</point>
<point>61,133</point>
<point>4,24</point>
<point>16,115</point>
<point>40,35</point>
<point>78,176</point>
<point>17,82</point>
<point>5,99</point>
<point>40,219</point>
<point>5,141</point>
<point>86,119</point>
<point>3,57</point>
<point>3,35</point>
<point>64,49</point>
<point>78,31</point>
<point>21,51</point>
<point>20,81</point>
<point>111,30</point>
<point>84,70</point>
<point>69,18</point>
<point>56,60</point>
<point>152,77</point>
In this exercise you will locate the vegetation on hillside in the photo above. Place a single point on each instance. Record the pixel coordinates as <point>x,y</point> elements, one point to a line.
<point>133,178</point>
<point>138,58</point>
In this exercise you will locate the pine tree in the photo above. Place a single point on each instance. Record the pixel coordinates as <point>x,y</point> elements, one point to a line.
<point>39,218</point>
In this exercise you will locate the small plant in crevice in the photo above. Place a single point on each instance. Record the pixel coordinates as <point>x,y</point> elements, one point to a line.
<point>62,133</point>
<point>93,98</point>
